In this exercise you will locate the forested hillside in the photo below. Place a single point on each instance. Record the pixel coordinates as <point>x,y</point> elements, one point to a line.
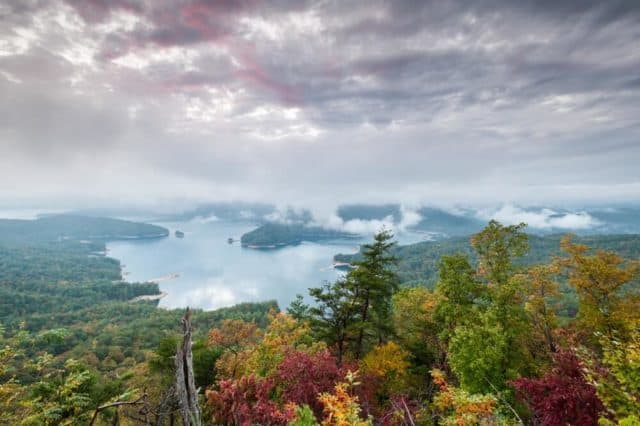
<point>494,341</point>
<point>67,319</point>
<point>54,228</point>
<point>418,263</point>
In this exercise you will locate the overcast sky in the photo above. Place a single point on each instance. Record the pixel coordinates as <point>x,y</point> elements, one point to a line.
<point>300,102</point>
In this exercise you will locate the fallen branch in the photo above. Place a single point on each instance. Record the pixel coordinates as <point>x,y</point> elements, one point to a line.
<point>140,401</point>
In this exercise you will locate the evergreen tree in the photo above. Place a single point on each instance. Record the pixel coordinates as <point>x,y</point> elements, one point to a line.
<point>298,309</point>
<point>334,314</point>
<point>374,285</point>
<point>358,307</point>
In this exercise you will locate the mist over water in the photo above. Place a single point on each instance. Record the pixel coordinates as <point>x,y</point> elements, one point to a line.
<point>214,273</point>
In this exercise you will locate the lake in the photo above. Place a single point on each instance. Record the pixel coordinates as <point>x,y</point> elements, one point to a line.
<point>214,273</point>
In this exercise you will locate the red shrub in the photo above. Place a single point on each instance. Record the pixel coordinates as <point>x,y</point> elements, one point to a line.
<point>302,377</point>
<point>562,396</point>
<point>246,401</point>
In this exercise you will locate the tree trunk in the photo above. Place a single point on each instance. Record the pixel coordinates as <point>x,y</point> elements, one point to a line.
<point>365,309</point>
<point>185,384</point>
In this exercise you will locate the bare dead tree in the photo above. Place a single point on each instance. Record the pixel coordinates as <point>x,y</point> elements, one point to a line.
<point>186,391</point>
<point>181,397</point>
<point>167,407</point>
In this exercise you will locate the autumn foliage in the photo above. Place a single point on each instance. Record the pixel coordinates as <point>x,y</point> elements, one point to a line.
<point>563,395</point>
<point>247,401</point>
<point>302,377</point>
<point>489,345</point>
<point>458,407</point>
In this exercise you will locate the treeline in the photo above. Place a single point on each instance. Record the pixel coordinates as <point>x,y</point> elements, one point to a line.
<point>418,263</point>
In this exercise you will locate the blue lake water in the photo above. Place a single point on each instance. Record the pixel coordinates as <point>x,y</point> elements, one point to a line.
<point>214,273</point>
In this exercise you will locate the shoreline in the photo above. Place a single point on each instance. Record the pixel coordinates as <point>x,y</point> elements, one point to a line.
<point>149,297</point>
<point>163,278</point>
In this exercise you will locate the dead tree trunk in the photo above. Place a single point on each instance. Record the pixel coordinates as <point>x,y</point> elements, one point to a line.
<point>186,391</point>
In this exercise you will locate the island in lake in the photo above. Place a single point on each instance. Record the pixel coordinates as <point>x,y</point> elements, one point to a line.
<point>274,235</point>
<point>179,234</point>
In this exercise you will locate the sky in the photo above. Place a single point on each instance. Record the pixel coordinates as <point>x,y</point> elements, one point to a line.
<point>319,102</point>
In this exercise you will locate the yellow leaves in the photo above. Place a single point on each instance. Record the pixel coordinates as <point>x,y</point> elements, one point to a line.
<point>439,379</point>
<point>248,350</point>
<point>413,308</point>
<point>10,389</point>
<point>284,333</point>
<point>414,320</point>
<point>541,289</point>
<point>231,365</point>
<point>389,362</point>
<point>340,407</point>
<point>284,330</point>
<point>599,279</point>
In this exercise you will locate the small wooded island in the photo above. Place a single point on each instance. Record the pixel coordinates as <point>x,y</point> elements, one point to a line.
<point>274,235</point>
<point>179,234</point>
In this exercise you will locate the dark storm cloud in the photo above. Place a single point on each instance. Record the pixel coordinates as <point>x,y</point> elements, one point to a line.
<point>350,96</point>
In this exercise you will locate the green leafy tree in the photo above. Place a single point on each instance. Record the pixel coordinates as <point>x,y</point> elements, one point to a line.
<point>61,396</point>
<point>616,376</point>
<point>489,346</point>
<point>497,245</point>
<point>477,354</point>
<point>460,294</point>
<point>416,328</point>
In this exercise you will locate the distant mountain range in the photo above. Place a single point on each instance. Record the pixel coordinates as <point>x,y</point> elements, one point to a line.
<point>540,220</point>
<point>363,218</point>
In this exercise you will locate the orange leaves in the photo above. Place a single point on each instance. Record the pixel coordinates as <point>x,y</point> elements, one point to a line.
<point>459,407</point>
<point>234,334</point>
<point>249,350</point>
<point>340,407</point>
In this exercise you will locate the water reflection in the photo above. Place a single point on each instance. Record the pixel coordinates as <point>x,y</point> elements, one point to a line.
<point>214,273</point>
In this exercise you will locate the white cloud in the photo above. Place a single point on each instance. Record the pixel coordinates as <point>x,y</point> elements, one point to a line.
<point>206,219</point>
<point>409,218</point>
<point>542,219</point>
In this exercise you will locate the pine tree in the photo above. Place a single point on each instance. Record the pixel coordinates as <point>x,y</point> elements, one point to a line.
<point>374,285</point>
<point>357,308</point>
<point>334,314</point>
